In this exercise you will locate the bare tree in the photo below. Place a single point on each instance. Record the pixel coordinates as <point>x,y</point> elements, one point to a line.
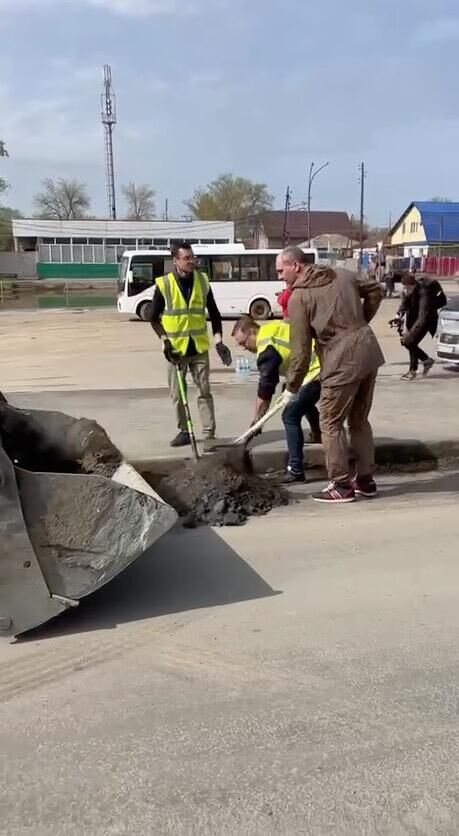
<point>63,200</point>
<point>140,202</point>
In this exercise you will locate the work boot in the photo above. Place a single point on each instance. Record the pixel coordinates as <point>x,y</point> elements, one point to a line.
<point>365,486</point>
<point>336,493</point>
<point>182,439</point>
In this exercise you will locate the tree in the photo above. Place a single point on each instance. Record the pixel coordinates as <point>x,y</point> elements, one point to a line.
<point>63,200</point>
<point>140,202</point>
<point>6,228</point>
<point>230,198</point>
<point>4,186</point>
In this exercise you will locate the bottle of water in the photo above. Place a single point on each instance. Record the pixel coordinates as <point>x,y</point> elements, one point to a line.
<point>242,367</point>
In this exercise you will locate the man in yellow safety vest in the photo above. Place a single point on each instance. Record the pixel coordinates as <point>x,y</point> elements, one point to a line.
<point>271,343</point>
<point>179,318</point>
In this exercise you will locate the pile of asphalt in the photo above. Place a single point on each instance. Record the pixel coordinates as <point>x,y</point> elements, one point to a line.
<point>212,492</point>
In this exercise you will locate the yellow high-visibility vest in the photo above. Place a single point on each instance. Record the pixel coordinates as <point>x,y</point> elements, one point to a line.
<point>277,334</point>
<point>181,320</point>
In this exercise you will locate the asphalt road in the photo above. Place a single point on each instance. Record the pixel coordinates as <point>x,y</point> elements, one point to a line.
<point>296,676</point>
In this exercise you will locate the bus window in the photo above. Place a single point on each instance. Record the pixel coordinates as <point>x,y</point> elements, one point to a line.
<point>145,271</point>
<point>202,263</point>
<point>268,268</point>
<point>224,268</point>
<point>250,268</point>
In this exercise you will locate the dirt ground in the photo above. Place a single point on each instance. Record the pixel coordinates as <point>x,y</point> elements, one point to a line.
<point>99,349</point>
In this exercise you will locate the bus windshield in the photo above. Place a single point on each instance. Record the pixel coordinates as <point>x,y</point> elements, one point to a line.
<point>124,263</point>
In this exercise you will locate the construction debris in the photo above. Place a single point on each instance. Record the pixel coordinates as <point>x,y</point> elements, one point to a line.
<point>213,492</point>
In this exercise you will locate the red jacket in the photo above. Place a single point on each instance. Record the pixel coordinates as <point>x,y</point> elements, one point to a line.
<point>283,300</point>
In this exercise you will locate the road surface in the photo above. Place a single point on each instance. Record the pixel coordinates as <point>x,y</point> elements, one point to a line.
<point>296,676</point>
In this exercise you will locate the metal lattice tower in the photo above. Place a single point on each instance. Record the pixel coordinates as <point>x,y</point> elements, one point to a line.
<point>109,122</point>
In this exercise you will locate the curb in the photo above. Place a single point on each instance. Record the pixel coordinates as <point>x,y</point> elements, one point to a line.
<point>408,455</point>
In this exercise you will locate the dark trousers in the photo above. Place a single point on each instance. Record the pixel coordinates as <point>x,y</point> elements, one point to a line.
<point>417,355</point>
<point>304,406</point>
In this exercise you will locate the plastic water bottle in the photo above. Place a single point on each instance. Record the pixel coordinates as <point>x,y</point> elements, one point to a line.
<point>242,367</point>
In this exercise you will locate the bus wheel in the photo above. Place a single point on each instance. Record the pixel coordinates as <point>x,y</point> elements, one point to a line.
<point>260,309</point>
<point>144,311</point>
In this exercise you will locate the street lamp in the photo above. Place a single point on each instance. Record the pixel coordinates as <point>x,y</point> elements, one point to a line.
<point>312,175</point>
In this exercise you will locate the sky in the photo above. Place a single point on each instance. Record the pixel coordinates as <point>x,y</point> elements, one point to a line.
<point>259,88</point>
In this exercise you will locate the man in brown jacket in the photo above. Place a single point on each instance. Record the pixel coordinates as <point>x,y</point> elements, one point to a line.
<point>326,305</point>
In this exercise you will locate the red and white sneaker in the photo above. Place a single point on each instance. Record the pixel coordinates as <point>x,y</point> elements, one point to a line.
<point>365,486</point>
<point>335,492</point>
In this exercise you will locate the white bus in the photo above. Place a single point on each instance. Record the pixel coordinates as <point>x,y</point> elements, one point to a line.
<point>243,281</point>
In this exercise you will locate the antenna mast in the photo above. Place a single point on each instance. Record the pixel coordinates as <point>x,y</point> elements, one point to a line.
<point>109,122</point>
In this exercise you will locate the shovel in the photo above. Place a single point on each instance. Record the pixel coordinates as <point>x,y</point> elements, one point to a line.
<point>236,452</point>
<point>189,420</point>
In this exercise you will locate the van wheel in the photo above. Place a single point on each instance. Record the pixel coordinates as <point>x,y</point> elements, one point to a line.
<point>144,311</point>
<point>260,309</point>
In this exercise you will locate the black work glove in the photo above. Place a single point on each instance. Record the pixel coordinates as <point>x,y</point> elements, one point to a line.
<point>224,353</point>
<point>171,355</point>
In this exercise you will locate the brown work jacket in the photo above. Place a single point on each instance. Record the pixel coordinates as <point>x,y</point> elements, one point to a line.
<point>326,305</point>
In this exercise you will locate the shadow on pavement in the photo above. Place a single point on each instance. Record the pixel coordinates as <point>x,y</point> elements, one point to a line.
<point>444,483</point>
<point>186,570</point>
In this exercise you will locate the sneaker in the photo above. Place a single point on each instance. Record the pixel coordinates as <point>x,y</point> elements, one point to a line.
<point>409,376</point>
<point>290,477</point>
<point>182,439</point>
<point>334,492</point>
<point>365,486</point>
<point>427,366</point>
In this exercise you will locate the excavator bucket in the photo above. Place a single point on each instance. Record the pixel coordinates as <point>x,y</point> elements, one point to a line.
<point>73,515</point>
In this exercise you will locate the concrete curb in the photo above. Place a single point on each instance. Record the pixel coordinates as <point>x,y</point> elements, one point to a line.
<point>391,454</point>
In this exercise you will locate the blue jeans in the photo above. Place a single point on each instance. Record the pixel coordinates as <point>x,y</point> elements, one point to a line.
<point>304,405</point>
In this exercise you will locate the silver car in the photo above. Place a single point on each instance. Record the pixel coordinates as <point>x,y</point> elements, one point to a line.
<point>448,332</point>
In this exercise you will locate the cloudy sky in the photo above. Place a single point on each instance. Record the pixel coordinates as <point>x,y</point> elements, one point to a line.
<point>255,87</point>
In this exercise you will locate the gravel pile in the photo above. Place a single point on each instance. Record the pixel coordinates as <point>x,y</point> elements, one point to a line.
<point>211,492</point>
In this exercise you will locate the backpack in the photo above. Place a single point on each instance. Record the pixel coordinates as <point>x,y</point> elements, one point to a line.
<point>438,295</point>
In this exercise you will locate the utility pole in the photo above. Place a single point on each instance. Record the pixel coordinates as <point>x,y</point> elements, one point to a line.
<point>109,121</point>
<point>166,210</point>
<point>312,175</point>
<point>288,200</point>
<point>362,211</point>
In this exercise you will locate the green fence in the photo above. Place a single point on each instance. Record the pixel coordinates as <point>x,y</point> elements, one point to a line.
<point>83,272</point>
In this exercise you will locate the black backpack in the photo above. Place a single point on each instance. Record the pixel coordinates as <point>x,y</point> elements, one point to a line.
<point>438,295</point>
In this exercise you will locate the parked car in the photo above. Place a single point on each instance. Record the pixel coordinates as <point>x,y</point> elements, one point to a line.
<point>448,332</point>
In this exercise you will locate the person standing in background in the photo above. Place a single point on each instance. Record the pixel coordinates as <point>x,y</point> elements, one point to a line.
<point>178,318</point>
